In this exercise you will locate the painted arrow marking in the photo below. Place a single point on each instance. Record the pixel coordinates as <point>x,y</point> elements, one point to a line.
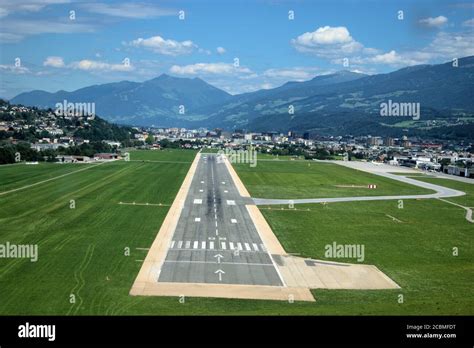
<point>220,273</point>
<point>219,257</point>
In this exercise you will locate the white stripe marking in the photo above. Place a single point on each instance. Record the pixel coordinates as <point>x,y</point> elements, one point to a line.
<point>223,246</point>
<point>197,219</point>
<point>231,246</point>
<point>239,246</point>
<point>234,221</point>
<point>180,244</point>
<point>247,246</point>
<point>203,245</point>
<point>211,245</point>
<point>172,244</point>
<point>187,245</point>
<point>255,246</point>
<point>196,245</point>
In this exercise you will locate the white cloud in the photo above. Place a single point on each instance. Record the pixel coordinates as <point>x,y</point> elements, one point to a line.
<point>10,6</point>
<point>451,45</point>
<point>295,73</point>
<point>14,69</point>
<point>128,10</point>
<point>10,37</point>
<point>160,45</point>
<point>435,22</point>
<point>392,58</point>
<point>468,23</point>
<point>53,61</point>
<point>93,65</point>
<point>327,42</point>
<point>3,12</point>
<point>202,50</point>
<point>15,30</point>
<point>220,50</point>
<point>209,68</point>
<point>266,86</point>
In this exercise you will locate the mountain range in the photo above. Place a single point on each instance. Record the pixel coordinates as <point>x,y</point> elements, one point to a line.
<point>345,101</point>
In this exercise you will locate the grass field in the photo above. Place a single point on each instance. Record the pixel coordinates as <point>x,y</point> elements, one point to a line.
<point>172,155</point>
<point>467,200</point>
<point>306,179</point>
<point>17,175</point>
<point>81,250</point>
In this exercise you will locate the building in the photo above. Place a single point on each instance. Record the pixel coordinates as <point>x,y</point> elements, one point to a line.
<point>106,156</point>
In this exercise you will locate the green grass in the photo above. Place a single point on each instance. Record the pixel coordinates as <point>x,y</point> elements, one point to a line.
<point>163,155</point>
<point>416,253</point>
<point>81,250</point>
<point>13,176</point>
<point>305,179</point>
<point>467,200</point>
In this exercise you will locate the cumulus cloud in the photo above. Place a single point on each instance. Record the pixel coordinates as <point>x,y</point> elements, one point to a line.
<point>433,22</point>
<point>160,45</point>
<point>327,42</point>
<point>53,61</point>
<point>392,58</point>
<point>220,50</point>
<point>209,68</point>
<point>93,65</point>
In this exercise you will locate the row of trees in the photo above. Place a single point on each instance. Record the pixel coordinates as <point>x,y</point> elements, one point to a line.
<point>11,153</point>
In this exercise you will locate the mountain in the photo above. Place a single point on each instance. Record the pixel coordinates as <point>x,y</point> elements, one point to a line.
<point>155,101</point>
<point>344,102</point>
<point>241,110</point>
<point>330,105</point>
<point>443,92</point>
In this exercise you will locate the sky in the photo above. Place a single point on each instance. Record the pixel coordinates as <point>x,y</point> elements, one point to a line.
<point>238,46</point>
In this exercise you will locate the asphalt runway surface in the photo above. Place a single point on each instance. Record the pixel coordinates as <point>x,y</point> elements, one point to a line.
<point>215,240</point>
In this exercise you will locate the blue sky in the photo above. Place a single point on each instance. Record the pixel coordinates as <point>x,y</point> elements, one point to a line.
<point>43,45</point>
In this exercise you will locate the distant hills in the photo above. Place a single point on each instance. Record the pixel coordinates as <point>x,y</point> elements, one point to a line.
<point>344,102</point>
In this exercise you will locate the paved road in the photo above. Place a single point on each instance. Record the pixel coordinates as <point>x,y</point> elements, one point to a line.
<point>441,192</point>
<point>215,240</point>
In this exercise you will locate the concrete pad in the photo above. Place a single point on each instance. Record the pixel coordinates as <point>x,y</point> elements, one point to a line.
<point>333,275</point>
<point>256,292</point>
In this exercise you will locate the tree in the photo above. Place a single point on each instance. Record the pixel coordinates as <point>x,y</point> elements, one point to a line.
<point>149,140</point>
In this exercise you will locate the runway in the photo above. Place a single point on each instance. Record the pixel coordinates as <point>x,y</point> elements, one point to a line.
<point>215,240</point>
